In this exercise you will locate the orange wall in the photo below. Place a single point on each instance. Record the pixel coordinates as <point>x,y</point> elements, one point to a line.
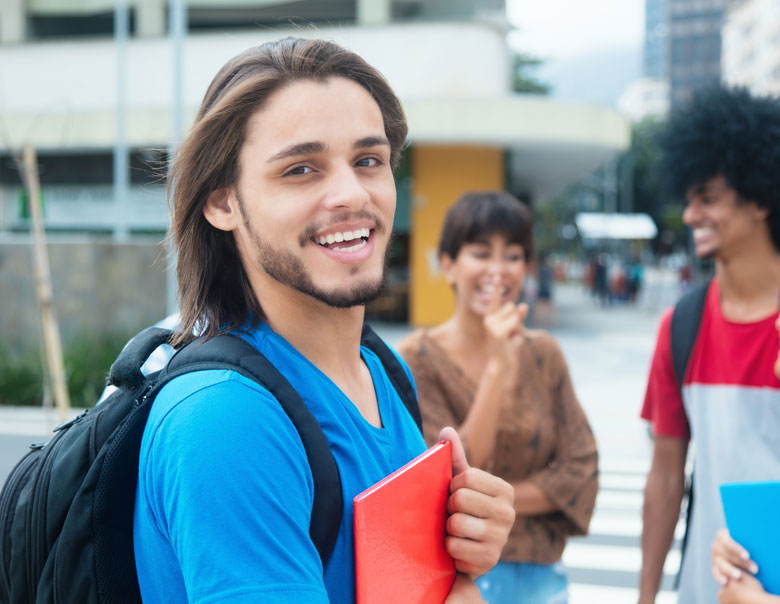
<point>440,174</point>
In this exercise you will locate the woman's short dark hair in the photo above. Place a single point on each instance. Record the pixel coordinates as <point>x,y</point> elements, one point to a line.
<point>729,132</point>
<point>477,215</point>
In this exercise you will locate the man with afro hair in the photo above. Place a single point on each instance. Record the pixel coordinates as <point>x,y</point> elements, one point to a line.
<point>722,154</point>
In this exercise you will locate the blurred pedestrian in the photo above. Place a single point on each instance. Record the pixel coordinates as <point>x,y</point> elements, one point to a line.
<point>721,152</point>
<point>507,390</point>
<point>601,287</point>
<point>544,307</point>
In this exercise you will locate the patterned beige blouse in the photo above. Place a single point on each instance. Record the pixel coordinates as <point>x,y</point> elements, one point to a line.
<point>543,436</point>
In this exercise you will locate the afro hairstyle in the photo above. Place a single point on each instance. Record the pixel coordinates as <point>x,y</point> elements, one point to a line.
<point>729,132</point>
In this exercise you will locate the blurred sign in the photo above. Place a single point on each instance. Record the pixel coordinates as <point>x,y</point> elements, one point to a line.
<point>594,225</point>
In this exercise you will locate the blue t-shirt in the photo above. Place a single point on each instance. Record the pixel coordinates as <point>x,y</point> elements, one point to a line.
<point>225,491</point>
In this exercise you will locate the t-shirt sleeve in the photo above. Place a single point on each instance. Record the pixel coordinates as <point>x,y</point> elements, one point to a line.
<point>231,490</point>
<point>663,405</point>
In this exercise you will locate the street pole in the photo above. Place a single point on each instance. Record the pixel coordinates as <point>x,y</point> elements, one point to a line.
<point>177,19</point>
<point>121,153</point>
<point>49,325</point>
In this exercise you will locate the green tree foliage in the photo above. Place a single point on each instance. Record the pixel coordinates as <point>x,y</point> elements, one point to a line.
<point>644,154</point>
<point>649,195</point>
<point>523,80</point>
<point>87,361</point>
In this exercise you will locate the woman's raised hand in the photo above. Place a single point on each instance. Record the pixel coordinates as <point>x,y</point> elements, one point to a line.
<point>505,325</point>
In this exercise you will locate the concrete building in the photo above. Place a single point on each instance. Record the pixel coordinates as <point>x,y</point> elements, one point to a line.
<point>655,50</point>
<point>694,46</point>
<point>751,46</point>
<point>447,59</point>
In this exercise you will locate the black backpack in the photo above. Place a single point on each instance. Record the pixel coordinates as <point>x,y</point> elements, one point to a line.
<point>66,509</point>
<point>684,328</point>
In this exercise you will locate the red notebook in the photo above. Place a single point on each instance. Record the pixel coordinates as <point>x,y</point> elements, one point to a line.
<point>399,533</point>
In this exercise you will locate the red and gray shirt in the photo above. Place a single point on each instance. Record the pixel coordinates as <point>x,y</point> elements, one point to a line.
<point>730,408</point>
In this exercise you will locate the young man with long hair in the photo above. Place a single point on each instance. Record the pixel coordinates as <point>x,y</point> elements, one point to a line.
<point>283,198</point>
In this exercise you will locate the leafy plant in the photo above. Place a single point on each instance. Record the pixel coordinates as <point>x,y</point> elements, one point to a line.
<point>87,361</point>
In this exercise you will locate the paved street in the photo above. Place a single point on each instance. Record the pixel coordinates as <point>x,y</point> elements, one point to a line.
<point>608,351</point>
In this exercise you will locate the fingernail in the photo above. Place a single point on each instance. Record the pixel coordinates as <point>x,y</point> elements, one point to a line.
<point>736,574</point>
<point>745,555</point>
<point>753,568</point>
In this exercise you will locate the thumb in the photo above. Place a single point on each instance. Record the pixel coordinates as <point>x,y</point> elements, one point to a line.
<point>459,461</point>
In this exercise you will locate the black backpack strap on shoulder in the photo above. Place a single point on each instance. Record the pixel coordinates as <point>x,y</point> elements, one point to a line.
<point>125,372</point>
<point>684,328</point>
<point>231,352</point>
<point>395,371</point>
<point>686,319</point>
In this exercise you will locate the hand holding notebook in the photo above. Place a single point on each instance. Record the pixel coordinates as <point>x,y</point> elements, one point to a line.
<point>752,511</point>
<point>400,553</point>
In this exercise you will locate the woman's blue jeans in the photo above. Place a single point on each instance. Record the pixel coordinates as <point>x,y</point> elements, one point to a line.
<point>525,583</point>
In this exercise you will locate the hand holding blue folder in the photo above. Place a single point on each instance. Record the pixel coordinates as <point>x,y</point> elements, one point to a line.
<point>752,511</point>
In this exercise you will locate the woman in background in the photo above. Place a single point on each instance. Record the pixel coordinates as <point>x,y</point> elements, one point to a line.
<point>508,391</point>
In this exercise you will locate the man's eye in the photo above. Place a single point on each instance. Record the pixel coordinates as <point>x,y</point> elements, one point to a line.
<point>298,171</point>
<point>368,162</point>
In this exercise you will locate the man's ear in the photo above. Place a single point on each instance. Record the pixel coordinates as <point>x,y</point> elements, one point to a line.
<point>221,209</point>
<point>760,212</point>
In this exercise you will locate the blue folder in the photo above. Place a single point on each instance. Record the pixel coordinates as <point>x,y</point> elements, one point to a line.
<point>752,511</point>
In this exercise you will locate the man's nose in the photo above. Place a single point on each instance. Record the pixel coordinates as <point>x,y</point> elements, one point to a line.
<point>346,190</point>
<point>690,213</point>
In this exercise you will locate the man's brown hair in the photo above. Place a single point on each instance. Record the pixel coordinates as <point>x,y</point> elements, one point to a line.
<point>215,295</point>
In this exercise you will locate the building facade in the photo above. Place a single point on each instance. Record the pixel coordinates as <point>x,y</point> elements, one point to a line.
<point>751,46</point>
<point>73,92</point>
<point>655,50</point>
<point>694,46</point>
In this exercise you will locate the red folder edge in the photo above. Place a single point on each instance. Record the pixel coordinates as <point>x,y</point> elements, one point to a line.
<point>400,527</point>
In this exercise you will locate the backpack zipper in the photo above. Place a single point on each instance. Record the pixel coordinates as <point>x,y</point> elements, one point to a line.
<point>40,492</point>
<point>7,503</point>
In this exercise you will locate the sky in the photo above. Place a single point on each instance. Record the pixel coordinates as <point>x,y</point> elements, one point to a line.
<point>592,48</point>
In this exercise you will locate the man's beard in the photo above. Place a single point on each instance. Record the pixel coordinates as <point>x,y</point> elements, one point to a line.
<point>286,268</point>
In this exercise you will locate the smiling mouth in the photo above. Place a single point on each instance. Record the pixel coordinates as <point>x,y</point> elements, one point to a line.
<point>487,290</point>
<point>345,241</point>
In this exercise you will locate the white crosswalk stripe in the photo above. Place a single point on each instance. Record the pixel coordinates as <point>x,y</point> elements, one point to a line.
<point>604,566</point>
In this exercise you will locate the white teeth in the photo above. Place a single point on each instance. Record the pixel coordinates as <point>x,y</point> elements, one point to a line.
<point>489,289</point>
<point>352,248</point>
<point>345,236</point>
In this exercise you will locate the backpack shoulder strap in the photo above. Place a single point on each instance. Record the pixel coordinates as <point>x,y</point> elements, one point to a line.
<point>231,352</point>
<point>125,372</point>
<point>395,371</point>
<point>686,319</point>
